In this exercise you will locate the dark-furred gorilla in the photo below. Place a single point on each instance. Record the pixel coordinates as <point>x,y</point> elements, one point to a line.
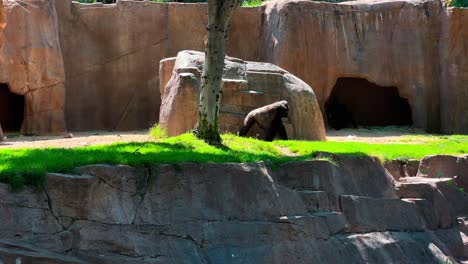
<point>268,118</point>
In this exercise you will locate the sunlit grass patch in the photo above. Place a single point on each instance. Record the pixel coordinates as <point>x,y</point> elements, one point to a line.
<point>28,166</point>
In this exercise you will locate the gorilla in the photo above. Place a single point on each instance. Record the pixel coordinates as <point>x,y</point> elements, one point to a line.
<point>268,118</point>
<point>338,115</point>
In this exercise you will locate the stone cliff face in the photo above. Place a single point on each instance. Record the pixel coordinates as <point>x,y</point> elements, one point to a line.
<point>31,64</point>
<point>304,212</point>
<point>2,24</point>
<point>112,54</point>
<point>388,43</point>
<point>454,89</point>
<point>106,56</point>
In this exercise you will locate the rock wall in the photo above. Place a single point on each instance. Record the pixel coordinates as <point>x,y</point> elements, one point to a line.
<point>388,43</point>
<point>2,24</point>
<point>305,212</point>
<point>111,57</point>
<point>32,64</point>
<point>454,88</point>
<point>107,55</point>
<point>112,54</point>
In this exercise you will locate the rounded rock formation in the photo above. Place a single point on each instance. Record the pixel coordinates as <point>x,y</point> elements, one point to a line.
<point>247,85</point>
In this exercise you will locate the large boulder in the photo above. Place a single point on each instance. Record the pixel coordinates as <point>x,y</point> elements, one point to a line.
<point>246,86</point>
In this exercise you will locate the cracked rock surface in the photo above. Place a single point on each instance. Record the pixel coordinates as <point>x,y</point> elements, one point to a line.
<point>351,211</point>
<point>96,67</point>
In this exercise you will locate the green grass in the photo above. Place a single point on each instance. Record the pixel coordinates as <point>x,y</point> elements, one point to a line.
<point>252,3</point>
<point>28,166</point>
<point>456,145</point>
<point>157,132</point>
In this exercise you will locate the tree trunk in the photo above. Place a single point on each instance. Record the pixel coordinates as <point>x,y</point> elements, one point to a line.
<point>219,14</point>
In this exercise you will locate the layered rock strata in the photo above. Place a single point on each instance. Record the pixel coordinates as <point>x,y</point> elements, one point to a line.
<point>346,211</point>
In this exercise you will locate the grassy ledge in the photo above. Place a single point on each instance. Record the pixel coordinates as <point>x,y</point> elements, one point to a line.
<point>20,167</point>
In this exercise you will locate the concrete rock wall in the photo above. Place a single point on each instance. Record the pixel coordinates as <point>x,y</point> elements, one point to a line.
<point>111,57</point>
<point>112,54</point>
<point>2,24</point>
<point>107,55</point>
<point>388,43</point>
<point>305,212</point>
<point>32,64</point>
<point>454,88</point>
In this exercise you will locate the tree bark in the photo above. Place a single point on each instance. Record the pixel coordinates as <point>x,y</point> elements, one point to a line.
<point>219,15</point>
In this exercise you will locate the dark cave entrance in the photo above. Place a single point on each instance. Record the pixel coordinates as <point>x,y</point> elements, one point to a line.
<point>11,109</point>
<point>358,102</point>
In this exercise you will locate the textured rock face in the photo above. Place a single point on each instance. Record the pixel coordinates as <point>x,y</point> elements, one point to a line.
<point>233,213</point>
<point>110,70</point>
<point>402,168</point>
<point>445,166</point>
<point>384,43</point>
<point>2,24</point>
<point>455,72</point>
<point>31,64</point>
<point>246,86</point>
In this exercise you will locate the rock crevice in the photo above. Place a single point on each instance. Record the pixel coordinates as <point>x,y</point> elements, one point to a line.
<point>226,213</point>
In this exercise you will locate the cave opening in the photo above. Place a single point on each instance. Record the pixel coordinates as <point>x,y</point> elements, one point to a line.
<point>11,109</point>
<point>357,102</point>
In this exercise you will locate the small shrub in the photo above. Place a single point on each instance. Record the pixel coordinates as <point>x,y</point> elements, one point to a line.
<point>157,132</point>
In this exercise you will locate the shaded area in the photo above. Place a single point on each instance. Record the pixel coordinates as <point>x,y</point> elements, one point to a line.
<point>358,102</point>
<point>11,109</point>
<point>28,166</point>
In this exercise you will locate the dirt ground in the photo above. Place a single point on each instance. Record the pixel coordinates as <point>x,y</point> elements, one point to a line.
<point>380,136</point>
<point>81,139</point>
